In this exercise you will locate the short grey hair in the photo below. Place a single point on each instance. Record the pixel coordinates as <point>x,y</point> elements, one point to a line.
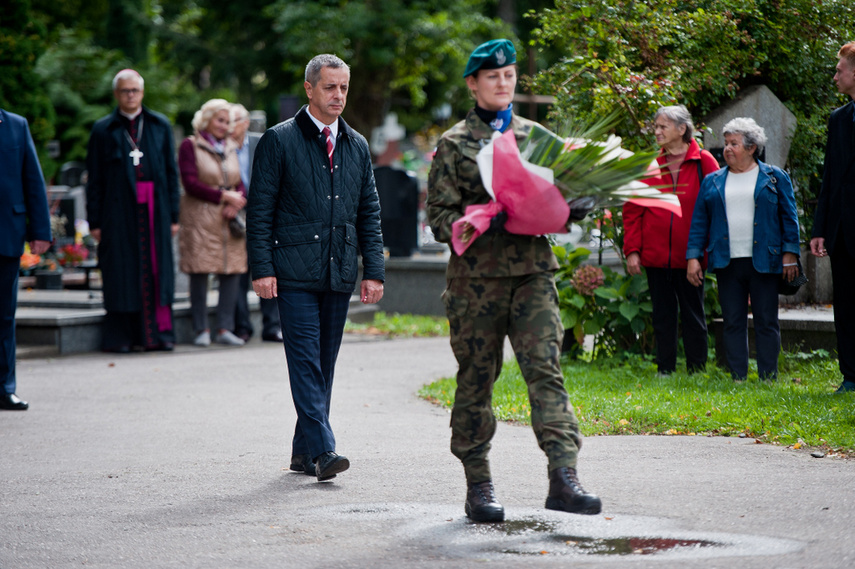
<point>238,113</point>
<point>752,133</point>
<point>128,74</point>
<point>313,69</point>
<point>679,115</point>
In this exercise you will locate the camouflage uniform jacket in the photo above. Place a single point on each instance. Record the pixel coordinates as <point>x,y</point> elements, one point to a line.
<point>455,183</point>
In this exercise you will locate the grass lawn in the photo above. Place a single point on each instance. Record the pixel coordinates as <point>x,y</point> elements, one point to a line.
<point>622,396</point>
<point>401,326</point>
<point>626,396</point>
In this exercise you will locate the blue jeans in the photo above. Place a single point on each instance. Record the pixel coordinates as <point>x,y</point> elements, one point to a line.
<point>312,327</point>
<point>736,282</point>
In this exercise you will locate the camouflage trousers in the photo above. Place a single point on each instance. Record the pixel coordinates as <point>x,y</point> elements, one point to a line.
<point>481,313</point>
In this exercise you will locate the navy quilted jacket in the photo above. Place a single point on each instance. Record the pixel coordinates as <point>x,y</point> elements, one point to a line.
<point>303,224</point>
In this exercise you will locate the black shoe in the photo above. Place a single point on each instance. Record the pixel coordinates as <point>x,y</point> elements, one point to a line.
<point>846,386</point>
<point>567,495</point>
<point>12,402</point>
<point>329,464</point>
<point>275,337</point>
<point>303,463</point>
<point>482,505</point>
<point>123,349</point>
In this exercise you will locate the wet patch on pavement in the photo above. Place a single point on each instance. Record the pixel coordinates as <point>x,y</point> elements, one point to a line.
<point>530,532</point>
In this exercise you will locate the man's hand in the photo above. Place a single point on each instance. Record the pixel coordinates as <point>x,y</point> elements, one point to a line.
<point>817,247</point>
<point>38,247</point>
<point>633,264</point>
<point>371,291</point>
<point>174,228</point>
<point>265,287</point>
<point>694,272</point>
<point>96,234</point>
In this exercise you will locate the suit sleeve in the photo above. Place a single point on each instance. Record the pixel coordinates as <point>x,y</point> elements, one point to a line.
<point>95,183</point>
<point>368,228</point>
<point>35,193</point>
<point>819,216</point>
<point>267,171</point>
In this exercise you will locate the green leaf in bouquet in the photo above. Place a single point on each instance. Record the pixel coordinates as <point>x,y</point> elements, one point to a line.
<point>587,161</point>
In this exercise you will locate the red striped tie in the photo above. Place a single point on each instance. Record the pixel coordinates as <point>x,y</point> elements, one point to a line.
<point>328,134</point>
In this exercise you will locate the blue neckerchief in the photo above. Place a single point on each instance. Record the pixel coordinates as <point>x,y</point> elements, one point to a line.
<point>498,120</point>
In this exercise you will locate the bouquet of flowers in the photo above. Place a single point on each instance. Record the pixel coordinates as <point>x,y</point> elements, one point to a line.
<point>537,182</point>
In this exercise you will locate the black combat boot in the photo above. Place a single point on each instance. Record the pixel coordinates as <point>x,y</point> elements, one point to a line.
<point>482,505</point>
<point>567,495</point>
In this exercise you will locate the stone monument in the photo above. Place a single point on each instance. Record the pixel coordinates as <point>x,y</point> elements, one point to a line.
<point>759,103</point>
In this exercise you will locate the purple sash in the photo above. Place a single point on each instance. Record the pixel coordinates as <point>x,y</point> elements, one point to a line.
<point>145,195</point>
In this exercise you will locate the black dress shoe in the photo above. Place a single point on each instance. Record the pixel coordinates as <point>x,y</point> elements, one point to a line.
<point>329,464</point>
<point>123,349</point>
<point>12,402</point>
<point>846,386</point>
<point>567,495</point>
<point>303,463</point>
<point>482,505</point>
<point>275,337</point>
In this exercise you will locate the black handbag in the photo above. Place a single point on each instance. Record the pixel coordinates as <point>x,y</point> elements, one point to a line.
<point>237,227</point>
<point>789,288</point>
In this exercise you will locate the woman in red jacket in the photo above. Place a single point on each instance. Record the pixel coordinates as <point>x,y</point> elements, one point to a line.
<point>656,240</point>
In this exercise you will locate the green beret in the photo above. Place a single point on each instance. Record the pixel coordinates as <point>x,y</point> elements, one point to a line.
<point>491,55</point>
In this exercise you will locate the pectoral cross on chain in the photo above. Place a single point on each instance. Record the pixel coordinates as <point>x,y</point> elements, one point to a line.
<point>136,154</point>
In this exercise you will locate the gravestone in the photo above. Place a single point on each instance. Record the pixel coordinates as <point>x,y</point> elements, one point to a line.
<point>759,103</point>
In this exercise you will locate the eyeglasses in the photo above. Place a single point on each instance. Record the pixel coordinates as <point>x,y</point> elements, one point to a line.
<point>126,92</point>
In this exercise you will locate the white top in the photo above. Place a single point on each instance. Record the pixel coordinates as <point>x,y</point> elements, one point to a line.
<point>333,127</point>
<point>739,205</point>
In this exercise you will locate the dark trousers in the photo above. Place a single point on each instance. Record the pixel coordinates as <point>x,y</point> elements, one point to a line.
<point>8,302</point>
<point>670,289</point>
<point>269,312</point>
<point>842,277</point>
<point>228,292</point>
<point>736,283</point>
<point>312,325</point>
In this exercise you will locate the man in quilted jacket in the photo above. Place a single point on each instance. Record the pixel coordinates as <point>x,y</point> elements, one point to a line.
<point>312,206</point>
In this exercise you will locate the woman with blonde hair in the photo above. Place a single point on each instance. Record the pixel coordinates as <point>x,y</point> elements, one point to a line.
<point>211,239</point>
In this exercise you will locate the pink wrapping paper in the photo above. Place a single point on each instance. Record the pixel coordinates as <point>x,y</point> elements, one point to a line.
<point>533,205</point>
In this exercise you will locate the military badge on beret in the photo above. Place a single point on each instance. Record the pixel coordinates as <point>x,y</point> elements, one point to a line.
<point>491,55</point>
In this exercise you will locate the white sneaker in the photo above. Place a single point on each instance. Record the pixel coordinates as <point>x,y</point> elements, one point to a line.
<point>229,339</point>
<point>203,339</point>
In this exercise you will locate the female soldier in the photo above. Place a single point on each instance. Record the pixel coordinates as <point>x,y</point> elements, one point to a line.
<point>501,286</point>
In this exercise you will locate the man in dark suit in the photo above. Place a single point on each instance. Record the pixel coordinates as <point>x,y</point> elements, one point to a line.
<point>270,329</point>
<point>312,204</point>
<point>132,201</point>
<point>24,216</point>
<point>833,232</point>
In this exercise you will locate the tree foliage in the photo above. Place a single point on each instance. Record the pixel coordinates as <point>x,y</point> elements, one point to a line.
<point>22,42</point>
<point>641,55</point>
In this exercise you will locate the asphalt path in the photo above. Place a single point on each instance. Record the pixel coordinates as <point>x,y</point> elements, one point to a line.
<point>181,460</point>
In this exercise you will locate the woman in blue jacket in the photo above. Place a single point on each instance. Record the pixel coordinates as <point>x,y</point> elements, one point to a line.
<point>745,218</point>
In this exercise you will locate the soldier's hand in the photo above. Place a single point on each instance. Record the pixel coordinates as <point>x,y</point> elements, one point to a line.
<point>497,223</point>
<point>580,208</point>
